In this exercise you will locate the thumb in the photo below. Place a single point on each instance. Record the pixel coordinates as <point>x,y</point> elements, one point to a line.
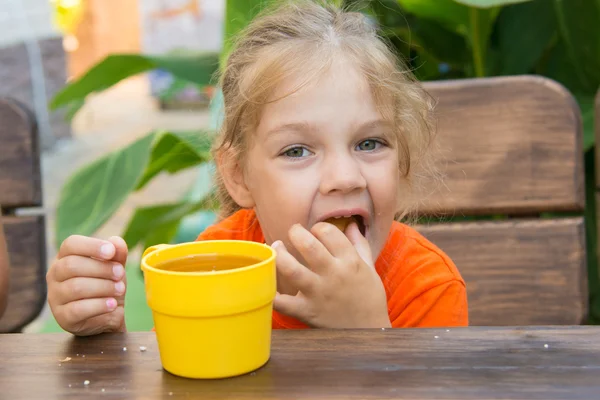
<point>360,243</point>
<point>121,250</point>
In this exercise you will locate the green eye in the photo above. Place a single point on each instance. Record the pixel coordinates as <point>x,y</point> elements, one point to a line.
<point>368,145</point>
<point>296,152</point>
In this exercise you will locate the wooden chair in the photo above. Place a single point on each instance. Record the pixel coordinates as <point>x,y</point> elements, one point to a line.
<point>514,148</point>
<point>20,188</point>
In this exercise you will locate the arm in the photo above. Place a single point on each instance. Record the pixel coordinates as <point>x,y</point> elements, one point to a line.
<point>3,270</point>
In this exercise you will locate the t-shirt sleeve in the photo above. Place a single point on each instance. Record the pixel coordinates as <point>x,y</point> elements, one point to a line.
<point>242,225</point>
<point>424,287</point>
<point>444,305</point>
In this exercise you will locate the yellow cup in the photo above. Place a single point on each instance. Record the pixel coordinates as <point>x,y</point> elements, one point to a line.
<point>214,324</point>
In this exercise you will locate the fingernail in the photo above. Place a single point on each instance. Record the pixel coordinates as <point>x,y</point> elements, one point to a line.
<point>120,287</point>
<point>111,304</point>
<point>118,271</point>
<point>107,250</point>
<point>276,244</point>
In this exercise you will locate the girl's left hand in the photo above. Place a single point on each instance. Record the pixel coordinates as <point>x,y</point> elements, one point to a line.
<point>339,288</point>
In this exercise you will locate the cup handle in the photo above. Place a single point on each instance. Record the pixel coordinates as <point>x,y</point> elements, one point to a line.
<point>154,248</point>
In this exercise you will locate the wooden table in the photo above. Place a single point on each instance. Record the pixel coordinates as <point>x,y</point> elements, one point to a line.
<point>466,363</point>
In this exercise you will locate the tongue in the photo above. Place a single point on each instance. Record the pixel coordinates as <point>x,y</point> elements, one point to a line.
<point>341,223</point>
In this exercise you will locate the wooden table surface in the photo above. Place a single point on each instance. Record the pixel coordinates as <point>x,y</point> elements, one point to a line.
<point>466,363</point>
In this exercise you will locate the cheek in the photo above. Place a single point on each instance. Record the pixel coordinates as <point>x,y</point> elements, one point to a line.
<point>282,197</point>
<point>384,184</point>
<point>272,184</point>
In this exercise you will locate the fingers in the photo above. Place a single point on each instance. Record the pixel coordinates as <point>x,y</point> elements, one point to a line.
<point>293,306</point>
<point>332,238</point>
<point>360,243</point>
<point>74,313</point>
<point>294,273</point>
<point>95,315</point>
<point>87,247</point>
<point>78,266</point>
<point>87,288</point>
<point>121,250</point>
<point>312,250</point>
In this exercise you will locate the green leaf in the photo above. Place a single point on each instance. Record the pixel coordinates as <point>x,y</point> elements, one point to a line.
<point>388,13</point>
<point>524,32</point>
<point>579,28</point>
<point>238,15</point>
<point>175,151</point>
<point>559,67</point>
<point>473,23</point>
<point>450,14</point>
<point>481,22</point>
<point>440,43</point>
<point>95,192</point>
<point>586,105</point>
<point>426,67</point>
<point>73,108</point>
<point>158,224</point>
<point>489,3</point>
<point>196,68</point>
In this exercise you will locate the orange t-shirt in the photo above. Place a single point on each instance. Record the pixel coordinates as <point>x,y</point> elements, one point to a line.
<point>422,284</point>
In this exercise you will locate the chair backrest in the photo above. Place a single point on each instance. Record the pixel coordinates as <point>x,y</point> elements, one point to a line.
<point>20,188</point>
<point>514,154</point>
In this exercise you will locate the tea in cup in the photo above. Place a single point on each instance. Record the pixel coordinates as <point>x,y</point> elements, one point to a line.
<point>212,304</point>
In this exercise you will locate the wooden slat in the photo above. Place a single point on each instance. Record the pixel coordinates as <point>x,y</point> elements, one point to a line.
<point>519,272</point>
<point>512,145</point>
<point>20,183</point>
<point>25,237</point>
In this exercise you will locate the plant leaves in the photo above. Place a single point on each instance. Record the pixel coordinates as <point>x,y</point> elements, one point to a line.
<point>95,192</point>
<point>441,43</point>
<point>489,3</point>
<point>450,14</point>
<point>238,15</point>
<point>559,67</point>
<point>524,32</point>
<point>73,108</point>
<point>473,23</point>
<point>196,68</point>
<point>586,105</point>
<point>158,224</point>
<point>481,22</point>
<point>175,151</point>
<point>579,28</point>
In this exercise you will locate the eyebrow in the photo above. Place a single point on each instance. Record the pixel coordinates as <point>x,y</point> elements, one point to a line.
<point>305,126</point>
<point>374,124</point>
<point>294,126</point>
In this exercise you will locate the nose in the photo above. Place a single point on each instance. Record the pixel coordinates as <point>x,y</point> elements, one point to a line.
<point>341,173</point>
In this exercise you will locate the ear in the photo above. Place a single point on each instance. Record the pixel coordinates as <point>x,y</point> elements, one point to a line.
<point>232,174</point>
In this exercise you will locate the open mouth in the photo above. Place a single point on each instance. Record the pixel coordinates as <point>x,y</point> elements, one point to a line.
<point>342,222</point>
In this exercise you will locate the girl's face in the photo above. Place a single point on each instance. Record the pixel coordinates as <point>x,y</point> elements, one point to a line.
<point>323,151</point>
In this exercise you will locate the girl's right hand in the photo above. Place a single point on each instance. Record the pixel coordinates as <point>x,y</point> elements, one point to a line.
<point>86,285</point>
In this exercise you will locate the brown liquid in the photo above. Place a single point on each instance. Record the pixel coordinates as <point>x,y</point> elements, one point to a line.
<point>208,263</point>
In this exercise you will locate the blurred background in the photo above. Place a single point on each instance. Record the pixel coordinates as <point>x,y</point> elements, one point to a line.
<point>123,91</point>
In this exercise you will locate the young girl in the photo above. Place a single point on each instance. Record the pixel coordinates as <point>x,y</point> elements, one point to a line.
<point>322,127</point>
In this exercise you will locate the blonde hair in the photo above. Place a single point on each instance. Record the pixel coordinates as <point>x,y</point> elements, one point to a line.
<point>301,38</point>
